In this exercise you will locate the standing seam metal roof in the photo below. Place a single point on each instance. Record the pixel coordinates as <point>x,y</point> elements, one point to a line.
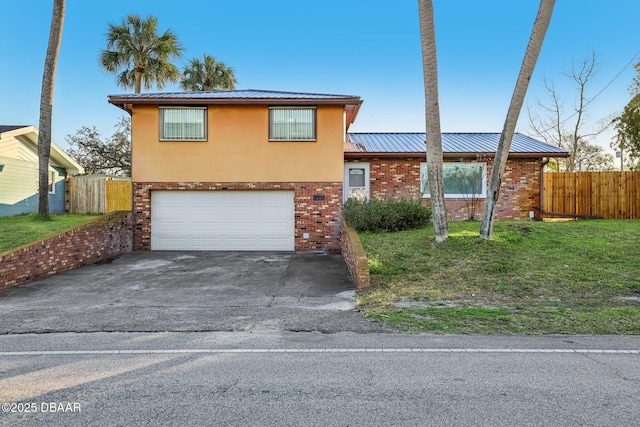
<point>414,142</point>
<point>234,94</point>
<point>247,96</point>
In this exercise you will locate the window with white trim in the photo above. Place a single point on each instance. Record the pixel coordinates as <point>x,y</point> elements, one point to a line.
<point>292,124</point>
<point>357,177</point>
<point>52,182</point>
<point>461,180</point>
<point>183,123</point>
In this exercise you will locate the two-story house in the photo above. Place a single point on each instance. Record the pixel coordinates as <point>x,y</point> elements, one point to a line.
<point>238,170</point>
<point>265,170</point>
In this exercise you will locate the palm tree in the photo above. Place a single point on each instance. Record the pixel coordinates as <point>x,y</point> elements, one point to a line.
<point>46,105</point>
<point>540,26</point>
<point>138,56</point>
<point>432,117</point>
<point>207,75</point>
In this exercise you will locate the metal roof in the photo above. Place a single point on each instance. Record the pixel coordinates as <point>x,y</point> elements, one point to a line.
<point>463,144</point>
<point>247,96</point>
<point>233,94</point>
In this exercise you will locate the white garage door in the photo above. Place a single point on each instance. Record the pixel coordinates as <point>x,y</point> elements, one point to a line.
<point>222,220</point>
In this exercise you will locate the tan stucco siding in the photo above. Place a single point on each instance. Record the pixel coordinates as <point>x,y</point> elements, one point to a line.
<point>237,149</point>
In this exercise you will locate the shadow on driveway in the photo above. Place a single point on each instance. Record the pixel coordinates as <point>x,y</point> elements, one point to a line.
<point>190,291</point>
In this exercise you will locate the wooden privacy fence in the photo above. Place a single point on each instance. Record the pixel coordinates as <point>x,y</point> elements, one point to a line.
<point>604,194</point>
<point>118,195</point>
<point>98,194</point>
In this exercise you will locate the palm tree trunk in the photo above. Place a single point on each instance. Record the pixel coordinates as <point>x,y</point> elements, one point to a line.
<point>526,70</point>
<point>46,105</point>
<point>432,117</point>
<point>138,75</point>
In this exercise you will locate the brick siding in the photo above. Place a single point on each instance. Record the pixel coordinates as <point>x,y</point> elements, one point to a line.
<point>97,240</point>
<point>395,178</point>
<point>320,218</point>
<point>354,257</point>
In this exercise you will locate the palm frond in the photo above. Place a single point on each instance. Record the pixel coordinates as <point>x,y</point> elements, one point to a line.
<point>134,45</point>
<point>207,75</point>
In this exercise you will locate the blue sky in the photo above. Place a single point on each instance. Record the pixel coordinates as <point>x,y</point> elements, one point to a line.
<point>357,47</point>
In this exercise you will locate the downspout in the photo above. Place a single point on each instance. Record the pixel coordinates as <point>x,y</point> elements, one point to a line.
<point>542,165</point>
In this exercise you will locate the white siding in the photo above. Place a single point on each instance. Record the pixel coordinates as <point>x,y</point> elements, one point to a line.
<point>18,180</point>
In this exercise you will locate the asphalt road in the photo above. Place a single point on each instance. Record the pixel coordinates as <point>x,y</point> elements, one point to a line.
<point>251,339</point>
<point>311,378</point>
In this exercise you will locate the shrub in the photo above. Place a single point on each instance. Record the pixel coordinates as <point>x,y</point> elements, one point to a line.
<point>391,215</point>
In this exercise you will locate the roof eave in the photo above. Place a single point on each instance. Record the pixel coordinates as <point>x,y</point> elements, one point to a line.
<point>124,100</point>
<point>57,154</point>
<point>65,160</point>
<point>359,154</point>
<point>449,155</point>
<point>352,112</point>
<point>537,155</point>
<point>352,104</point>
<point>20,131</point>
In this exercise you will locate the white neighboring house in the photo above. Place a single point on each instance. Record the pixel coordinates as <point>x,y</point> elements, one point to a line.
<point>19,172</point>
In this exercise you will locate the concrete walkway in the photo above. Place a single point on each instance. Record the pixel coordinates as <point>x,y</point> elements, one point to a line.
<point>190,291</point>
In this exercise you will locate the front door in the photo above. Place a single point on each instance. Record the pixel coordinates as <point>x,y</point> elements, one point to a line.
<point>356,180</point>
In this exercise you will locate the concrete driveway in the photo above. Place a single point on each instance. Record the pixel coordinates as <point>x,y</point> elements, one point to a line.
<point>190,291</point>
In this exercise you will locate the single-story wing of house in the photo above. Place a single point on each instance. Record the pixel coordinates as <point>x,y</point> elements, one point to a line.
<point>19,172</point>
<point>393,165</point>
<point>269,170</point>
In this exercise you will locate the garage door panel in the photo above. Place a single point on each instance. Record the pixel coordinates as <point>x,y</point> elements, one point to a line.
<point>207,219</point>
<point>273,227</point>
<point>175,226</point>
<point>242,243</point>
<point>273,243</point>
<point>173,242</point>
<point>267,211</point>
<point>222,220</point>
<point>239,228</point>
<point>257,211</point>
<point>243,215</point>
<point>164,211</point>
<point>206,243</point>
<point>206,210</point>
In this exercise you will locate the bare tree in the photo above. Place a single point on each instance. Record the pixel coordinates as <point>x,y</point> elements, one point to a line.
<point>564,130</point>
<point>46,105</point>
<point>469,178</point>
<point>97,155</point>
<point>432,117</point>
<point>548,125</point>
<point>538,33</point>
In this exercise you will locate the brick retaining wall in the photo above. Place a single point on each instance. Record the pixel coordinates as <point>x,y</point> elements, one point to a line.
<point>354,257</point>
<point>104,237</point>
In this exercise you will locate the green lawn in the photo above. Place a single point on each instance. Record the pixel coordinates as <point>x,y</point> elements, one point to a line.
<point>18,230</point>
<point>531,278</point>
